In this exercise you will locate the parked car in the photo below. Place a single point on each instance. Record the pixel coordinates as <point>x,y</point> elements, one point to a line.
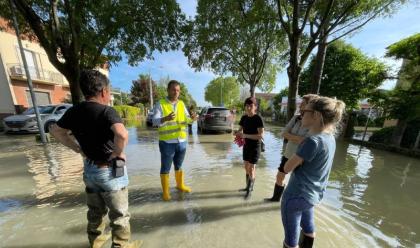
<point>26,122</point>
<point>215,119</point>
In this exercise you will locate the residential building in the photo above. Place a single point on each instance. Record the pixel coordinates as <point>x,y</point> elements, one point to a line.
<point>50,86</point>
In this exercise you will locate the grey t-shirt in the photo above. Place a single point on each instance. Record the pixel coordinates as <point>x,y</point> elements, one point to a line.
<point>294,127</point>
<point>310,179</point>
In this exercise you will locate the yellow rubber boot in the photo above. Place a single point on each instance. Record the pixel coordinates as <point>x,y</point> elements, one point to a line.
<point>164,180</point>
<point>179,177</point>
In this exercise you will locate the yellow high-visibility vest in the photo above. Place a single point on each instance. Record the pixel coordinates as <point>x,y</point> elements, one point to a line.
<point>176,128</point>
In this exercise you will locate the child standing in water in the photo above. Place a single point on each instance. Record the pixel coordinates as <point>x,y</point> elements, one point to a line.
<point>314,158</point>
<point>251,128</point>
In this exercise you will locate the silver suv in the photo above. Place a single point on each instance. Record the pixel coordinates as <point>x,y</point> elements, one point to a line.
<point>215,119</point>
<point>26,122</point>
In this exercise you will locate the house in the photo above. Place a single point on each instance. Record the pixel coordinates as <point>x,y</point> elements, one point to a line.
<point>50,86</point>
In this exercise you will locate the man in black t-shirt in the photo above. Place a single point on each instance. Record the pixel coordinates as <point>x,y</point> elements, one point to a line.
<point>252,130</point>
<point>100,138</point>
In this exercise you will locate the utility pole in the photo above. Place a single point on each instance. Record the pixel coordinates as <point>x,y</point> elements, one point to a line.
<point>28,75</point>
<point>221,92</point>
<point>151,90</point>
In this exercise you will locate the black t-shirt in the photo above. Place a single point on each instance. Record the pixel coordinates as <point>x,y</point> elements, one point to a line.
<point>90,123</point>
<point>250,125</point>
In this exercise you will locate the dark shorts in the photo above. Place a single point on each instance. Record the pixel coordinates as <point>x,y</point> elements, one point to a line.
<point>282,163</point>
<point>251,152</point>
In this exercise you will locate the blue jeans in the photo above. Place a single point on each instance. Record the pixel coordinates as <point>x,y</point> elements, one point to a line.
<point>171,152</point>
<point>101,179</point>
<point>296,213</point>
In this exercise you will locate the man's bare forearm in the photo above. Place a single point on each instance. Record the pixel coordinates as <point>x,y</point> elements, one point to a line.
<point>68,141</point>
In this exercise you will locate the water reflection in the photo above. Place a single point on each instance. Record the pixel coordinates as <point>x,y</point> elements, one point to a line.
<point>373,195</point>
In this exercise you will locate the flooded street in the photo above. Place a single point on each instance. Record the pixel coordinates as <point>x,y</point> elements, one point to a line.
<point>372,200</point>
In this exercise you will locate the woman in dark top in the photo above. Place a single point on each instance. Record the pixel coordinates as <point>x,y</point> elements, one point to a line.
<point>251,128</point>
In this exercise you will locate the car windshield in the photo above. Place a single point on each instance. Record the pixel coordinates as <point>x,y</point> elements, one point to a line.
<point>219,111</point>
<point>42,110</point>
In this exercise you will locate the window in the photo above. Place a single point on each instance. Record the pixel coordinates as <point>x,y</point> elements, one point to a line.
<point>42,98</point>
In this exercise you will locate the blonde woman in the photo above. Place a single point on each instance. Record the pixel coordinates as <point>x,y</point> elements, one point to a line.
<point>313,158</point>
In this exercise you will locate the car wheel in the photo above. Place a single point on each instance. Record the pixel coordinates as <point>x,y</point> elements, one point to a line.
<point>229,131</point>
<point>48,125</point>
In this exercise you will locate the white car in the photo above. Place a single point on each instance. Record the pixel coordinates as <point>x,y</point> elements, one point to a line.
<point>26,122</point>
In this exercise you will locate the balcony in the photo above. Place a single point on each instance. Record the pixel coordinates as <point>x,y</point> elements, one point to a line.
<point>17,71</point>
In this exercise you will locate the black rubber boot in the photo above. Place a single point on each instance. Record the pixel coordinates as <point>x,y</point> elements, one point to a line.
<point>250,188</point>
<point>305,241</point>
<point>278,190</point>
<point>246,182</point>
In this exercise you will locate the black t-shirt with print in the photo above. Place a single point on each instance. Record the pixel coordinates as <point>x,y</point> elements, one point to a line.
<point>90,123</point>
<point>250,125</point>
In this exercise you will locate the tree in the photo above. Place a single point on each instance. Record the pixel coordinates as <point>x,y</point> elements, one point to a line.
<point>310,23</point>
<point>279,96</point>
<point>222,91</point>
<point>237,37</point>
<point>79,35</point>
<point>186,97</point>
<point>404,100</point>
<point>348,74</point>
<point>140,90</point>
<point>122,99</point>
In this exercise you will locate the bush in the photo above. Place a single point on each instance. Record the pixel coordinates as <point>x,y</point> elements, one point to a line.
<point>379,122</point>
<point>382,136</point>
<point>409,138</point>
<point>410,134</point>
<point>127,112</point>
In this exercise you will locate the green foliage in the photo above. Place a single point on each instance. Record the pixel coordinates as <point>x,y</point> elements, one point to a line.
<point>279,96</point>
<point>185,96</point>
<point>127,112</point>
<point>222,90</point>
<point>404,101</point>
<point>140,90</point>
<point>307,23</point>
<point>122,99</point>
<point>384,135</point>
<point>264,107</point>
<point>348,74</point>
<point>240,37</point>
<point>80,35</point>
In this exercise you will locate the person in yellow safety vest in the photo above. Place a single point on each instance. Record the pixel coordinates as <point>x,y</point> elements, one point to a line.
<point>172,118</point>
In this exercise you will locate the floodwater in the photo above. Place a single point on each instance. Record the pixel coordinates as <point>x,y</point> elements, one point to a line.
<point>372,200</point>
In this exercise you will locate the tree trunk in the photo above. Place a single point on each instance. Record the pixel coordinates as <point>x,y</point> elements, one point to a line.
<point>293,72</point>
<point>252,89</point>
<point>398,133</point>
<point>73,78</point>
<point>319,66</point>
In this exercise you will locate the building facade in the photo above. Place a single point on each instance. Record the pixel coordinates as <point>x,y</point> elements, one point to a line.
<point>50,86</point>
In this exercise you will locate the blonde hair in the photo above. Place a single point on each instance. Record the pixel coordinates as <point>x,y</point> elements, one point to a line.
<point>309,97</point>
<point>331,110</point>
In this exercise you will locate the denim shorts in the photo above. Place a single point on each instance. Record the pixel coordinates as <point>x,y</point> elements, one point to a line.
<point>296,213</point>
<point>101,179</point>
<point>171,152</point>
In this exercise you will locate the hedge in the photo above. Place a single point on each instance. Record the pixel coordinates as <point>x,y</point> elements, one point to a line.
<point>409,138</point>
<point>127,112</point>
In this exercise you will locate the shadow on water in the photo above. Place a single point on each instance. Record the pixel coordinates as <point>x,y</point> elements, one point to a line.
<point>137,197</point>
<point>149,222</point>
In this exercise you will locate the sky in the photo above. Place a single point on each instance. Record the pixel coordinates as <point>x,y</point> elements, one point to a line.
<point>372,39</point>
